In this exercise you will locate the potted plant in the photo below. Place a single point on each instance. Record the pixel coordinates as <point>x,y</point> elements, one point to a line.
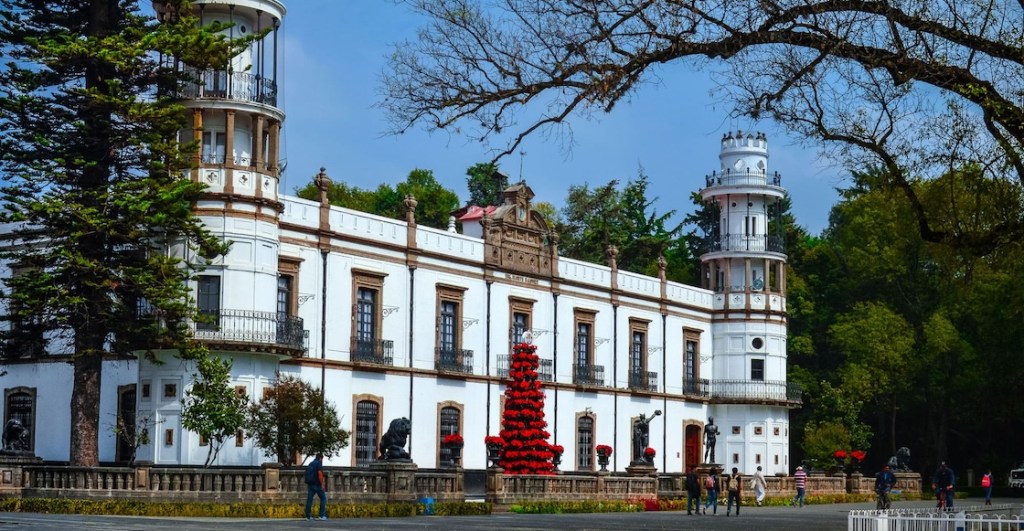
<point>603,453</point>
<point>556,454</point>
<point>453,440</point>
<point>649,454</point>
<point>494,445</point>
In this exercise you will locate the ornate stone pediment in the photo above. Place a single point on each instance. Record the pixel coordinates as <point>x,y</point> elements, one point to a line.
<point>516,237</point>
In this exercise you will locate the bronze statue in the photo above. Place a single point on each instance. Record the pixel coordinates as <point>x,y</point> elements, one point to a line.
<point>710,437</point>
<point>901,461</point>
<point>392,444</point>
<point>15,437</point>
<point>642,435</point>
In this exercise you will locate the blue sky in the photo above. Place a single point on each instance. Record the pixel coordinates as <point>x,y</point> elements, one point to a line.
<point>334,53</point>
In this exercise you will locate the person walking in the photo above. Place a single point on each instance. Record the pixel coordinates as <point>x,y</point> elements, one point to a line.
<point>942,483</point>
<point>711,485</point>
<point>734,486</point>
<point>692,491</point>
<point>760,486</point>
<point>885,480</point>
<point>986,483</point>
<point>800,479</point>
<point>315,486</point>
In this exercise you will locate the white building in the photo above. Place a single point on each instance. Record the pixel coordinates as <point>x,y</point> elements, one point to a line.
<point>398,320</point>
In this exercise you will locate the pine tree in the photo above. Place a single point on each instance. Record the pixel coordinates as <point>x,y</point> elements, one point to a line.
<point>92,175</point>
<point>527,450</point>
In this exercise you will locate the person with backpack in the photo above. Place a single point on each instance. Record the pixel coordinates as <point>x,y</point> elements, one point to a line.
<point>986,483</point>
<point>692,491</point>
<point>711,486</point>
<point>733,484</point>
<point>315,486</point>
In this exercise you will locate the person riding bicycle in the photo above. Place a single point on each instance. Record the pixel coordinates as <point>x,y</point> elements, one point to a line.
<point>943,482</point>
<point>885,480</point>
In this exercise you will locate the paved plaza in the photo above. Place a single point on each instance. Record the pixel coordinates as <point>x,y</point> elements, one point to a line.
<point>811,517</point>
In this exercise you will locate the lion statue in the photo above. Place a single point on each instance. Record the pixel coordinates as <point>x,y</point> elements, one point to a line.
<point>392,444</point>
<point>15,436</point>
<point>901,461</point>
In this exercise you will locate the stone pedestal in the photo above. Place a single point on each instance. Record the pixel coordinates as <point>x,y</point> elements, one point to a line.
<point>641,469</point>
<point>12,470</point>
<point>272,476</point>
<point>401,475</point>
<point>854,483</point>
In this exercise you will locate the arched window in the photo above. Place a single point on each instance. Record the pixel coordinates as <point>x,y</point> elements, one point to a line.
<point>20,404</point>
<point>367,423</point>
<point>449,422</point>
<point>585,443</point>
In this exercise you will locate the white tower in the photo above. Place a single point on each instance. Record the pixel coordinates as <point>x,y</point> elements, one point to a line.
<point>745,265</point>
<point>247,295</point>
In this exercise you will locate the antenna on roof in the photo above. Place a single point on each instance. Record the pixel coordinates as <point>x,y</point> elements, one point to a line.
<point>522,155</point>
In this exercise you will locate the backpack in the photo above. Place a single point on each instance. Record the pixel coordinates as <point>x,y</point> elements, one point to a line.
<point>311,474</point>
<point>986,480</point>
<point>709,482</point>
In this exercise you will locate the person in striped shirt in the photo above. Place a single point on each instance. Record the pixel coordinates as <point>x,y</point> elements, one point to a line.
<point>800,478</point>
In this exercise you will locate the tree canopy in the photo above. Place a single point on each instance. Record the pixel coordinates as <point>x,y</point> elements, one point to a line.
<point>917,87</point>
<point>293,420</point>
<point>212,407</point>
<point>92,173</point>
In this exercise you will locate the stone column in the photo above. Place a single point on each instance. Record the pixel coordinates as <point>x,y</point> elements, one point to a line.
<point>271,476</point>
<point>401,479</point>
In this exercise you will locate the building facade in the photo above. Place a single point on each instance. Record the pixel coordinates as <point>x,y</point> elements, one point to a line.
<point>392,319</point>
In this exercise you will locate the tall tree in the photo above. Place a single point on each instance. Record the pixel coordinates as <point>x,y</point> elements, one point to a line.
<point>92,173</point>
<point>916,86</point>
<point>485,183</point>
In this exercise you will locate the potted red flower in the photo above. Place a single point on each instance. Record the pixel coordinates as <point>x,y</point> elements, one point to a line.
<point>603,452</point>
<point>649,453</point>
<point>453,440</point>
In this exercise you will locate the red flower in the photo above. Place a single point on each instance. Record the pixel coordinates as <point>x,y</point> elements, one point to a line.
<point>558,449</point>
<point>604,449</point>
<point>494,440</point>
<point>453,439</point>
<point>839,454</point>
<point>649,452</point>
<point>858,455</point>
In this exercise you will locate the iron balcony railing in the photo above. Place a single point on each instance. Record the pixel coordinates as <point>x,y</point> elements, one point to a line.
<point>640,380</point>
<point>754,391</point>
<point>700,387</point>
<point>588,375</point>
<point>222,84</point>
<point>246,326</point>
<point>743,178</point>
<point>546,370</point>
<point>373,351</point>
<point>453,360</point>
<point>740,242</point>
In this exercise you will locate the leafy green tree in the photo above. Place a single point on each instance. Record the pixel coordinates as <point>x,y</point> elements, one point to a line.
<point>485,183</point>
<point>212,407</point>
<point>591,220</point>
<point>435,203</point>
<point>822,439</point>
<point>293,420</point>
<point>92,175</point>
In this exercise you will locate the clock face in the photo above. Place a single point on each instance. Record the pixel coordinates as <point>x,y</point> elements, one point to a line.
<point>521,212</point>
<point>758,283</point>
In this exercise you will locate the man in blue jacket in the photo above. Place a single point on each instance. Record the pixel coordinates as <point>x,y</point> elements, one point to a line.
<point>315,485</point>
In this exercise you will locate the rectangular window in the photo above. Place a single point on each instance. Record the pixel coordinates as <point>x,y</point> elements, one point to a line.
<point>585,443</point>
<point>208,299</point>
<point>735,458</point>
<point>170,390</point>
<point>367,421</point>
<point>758,430</point>
<point>521,312</point>
<point>284,295</point>
<point>449,354</point>
<point>735,430</point>
<point>585,372</point>
<point>214,147</point>
<point>757,370</point>
<point>239,438</point>
<point>639,378</point>
<point>367,314</point>
<point>169,437</point>
<point>448,424</point>
<point>691,361</point>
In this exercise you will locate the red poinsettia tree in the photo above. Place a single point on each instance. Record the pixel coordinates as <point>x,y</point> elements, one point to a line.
<point>527,450</point>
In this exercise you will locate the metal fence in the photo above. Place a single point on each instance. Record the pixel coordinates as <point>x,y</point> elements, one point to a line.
<point>966,519</point>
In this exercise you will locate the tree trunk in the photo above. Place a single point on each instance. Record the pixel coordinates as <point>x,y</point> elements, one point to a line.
<point>85,410</point>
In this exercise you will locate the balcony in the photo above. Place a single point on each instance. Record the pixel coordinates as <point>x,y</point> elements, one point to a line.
<point>458,361</point>
<point>740,242</point>
<point>699,388</point>
<point>237,86</point>
<point>546,370</point>
<point>252,330</point>
<point>373,351</point>
<point>646,381</point>
<point>588,375</point>
<point>756,392</point>
<point>743,178</point>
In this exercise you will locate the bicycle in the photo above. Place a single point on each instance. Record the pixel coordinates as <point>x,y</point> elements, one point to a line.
<point>941,495</point>
<point>884,502</point>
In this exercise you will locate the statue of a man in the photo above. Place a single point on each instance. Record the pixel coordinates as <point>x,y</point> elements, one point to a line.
<point>641,436</point>
<point>710,436</point>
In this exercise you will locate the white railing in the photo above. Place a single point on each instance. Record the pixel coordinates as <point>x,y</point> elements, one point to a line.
<point>932,520</point>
